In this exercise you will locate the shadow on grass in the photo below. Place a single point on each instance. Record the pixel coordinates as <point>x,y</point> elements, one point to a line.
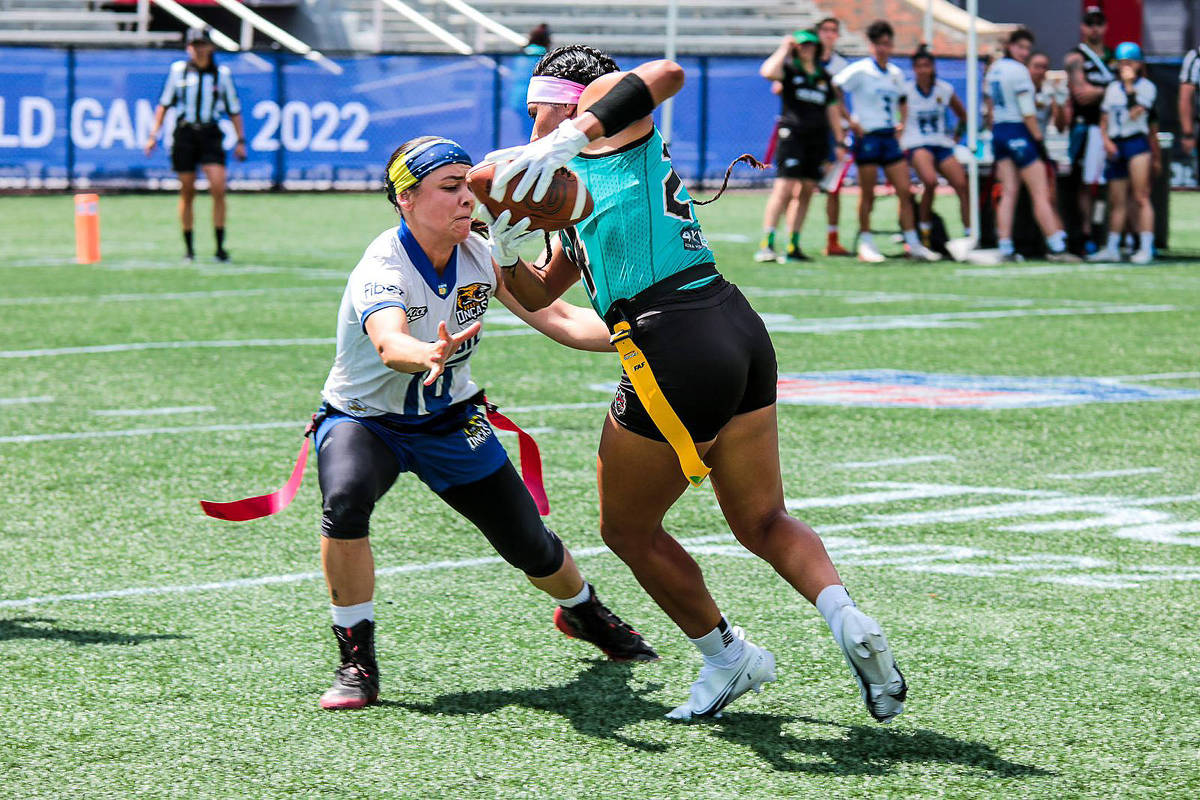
<point>45,628</point>
<point>600,703</point>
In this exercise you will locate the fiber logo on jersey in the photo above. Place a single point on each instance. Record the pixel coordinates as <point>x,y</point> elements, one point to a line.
<point>471,303</point>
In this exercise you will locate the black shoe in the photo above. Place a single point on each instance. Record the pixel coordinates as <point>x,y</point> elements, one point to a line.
<point>796,254</point>
<point>592,622</point>
<point>356,681</point>
<point>222,256</point>
<point>189,258</point>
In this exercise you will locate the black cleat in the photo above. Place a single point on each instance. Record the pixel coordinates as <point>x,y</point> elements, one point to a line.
<point>356,681</point>
<point>222,256</point>
<point>592,622</point>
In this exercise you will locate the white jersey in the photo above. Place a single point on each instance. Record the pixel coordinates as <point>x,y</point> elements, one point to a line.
<point>1044,98</point>
<point>393,275</point>
<point>1008,83</point>
<point>925,116</point>
<point>874,93</point>
<point>836,63</point>
<point>1117,104</point>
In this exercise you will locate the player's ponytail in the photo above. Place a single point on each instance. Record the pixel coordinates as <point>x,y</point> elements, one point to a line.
<point>744,158</point>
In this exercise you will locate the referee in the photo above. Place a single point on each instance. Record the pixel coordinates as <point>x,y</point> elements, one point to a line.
<point>1189,79</point>
<point>200,92</point>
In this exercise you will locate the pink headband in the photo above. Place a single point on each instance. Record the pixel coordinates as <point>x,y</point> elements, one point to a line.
<point>543,89</point>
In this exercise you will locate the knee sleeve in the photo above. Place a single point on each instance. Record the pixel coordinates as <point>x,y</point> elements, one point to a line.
<point>346,513</point>
<point>354,468</point>
<point>500,506</point>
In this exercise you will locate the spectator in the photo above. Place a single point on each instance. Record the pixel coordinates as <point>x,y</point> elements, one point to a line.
<point>807,120</point>
<point>1130,129</point>
<point>522,70</point>
<point>928,142</point>
<point>1017,144</point>
<point>200,92</point>
<point>1189,79</point>
<point>874,88</point>
<point>1088,73</point>
<point>1051,103</point>
<point>829,29</point>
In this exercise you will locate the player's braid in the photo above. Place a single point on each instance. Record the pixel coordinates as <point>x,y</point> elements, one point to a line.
<point>743,158</point>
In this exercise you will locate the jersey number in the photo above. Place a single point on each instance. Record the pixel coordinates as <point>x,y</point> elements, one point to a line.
<point>997,95</point>
<point>673,205</point>
<point>929,122</point>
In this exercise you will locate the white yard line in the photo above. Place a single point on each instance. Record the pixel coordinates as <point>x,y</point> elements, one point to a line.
<point>551,407</point>
<point>134,346</point>
<point>893,462</point>
<point>1109,473</point>
<point>784,323</point>
<point>143,296</point>
<point>1154,376</point>
<point>858,297</point>
<point>17,401</point>
<point>117,434</point>
<point>151,412</point>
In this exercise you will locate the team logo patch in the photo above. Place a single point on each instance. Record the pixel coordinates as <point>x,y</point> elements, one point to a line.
<point>477,432</point>
<point>414,313</point>
<point>618,403</point>
<point>884,388</point>
<point>471,303</point>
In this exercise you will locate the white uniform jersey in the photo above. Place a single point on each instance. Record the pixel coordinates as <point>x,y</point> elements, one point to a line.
<point>391,275</point>
<point>925,123</point>
<point>873,92</point>
<point>836,63</point>
<point>1008,83</point>
<point>1117,104</point>
<point>1044,100</point>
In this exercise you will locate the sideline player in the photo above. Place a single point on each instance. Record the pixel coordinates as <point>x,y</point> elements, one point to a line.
<point>400,398</point>
<point>808,118</point>
<point>1017,143</point>
<point>200,91</point>
<point>928,142</point>
<point>1088,76</point>
<point>833,62</point>
<point>648,270</point>
<point>874,89</point>
<point>1130,126</point>
<point>1051,110</point>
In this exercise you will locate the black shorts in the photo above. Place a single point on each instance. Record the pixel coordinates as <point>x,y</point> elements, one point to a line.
<point>801,154</point>
<point>710,353</point>
<point>195,145</point>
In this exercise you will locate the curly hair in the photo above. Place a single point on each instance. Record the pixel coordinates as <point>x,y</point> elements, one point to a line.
<point>576,62</point>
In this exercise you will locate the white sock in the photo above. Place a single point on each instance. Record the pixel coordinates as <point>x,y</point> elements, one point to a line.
<point>1147,238</point>
<point>925,227</point>
<point>1114,241</point>
<point>831,228</point>
<point>1006,247</point>
<point>1057,241</point>
<point>911,239</point>
<point>830,602</point>
<point>349,616</point>
<point>865,237</point>
<point>967,232</point>
<point>584,595</point>
<point>720,647</point>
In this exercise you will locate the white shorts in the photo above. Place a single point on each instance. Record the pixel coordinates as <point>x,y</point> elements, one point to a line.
<point>1094,157</point>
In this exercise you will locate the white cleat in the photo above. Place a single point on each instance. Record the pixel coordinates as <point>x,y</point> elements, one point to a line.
<point>1142,257</point>
<point>922,253</point>
<point>869,253</point>
<point>1105,255</point>
<point>717,687</point>
<point>766,254</point>
<point>880,683</point>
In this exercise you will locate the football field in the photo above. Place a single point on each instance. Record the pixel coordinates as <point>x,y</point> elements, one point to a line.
<point>1003,462</point>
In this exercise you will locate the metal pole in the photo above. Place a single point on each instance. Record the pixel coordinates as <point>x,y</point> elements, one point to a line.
<point>668,107</point>
<point>246,39</point>
<point>927,33</point>
<point>143,17</point>
<point>973,117</point>
<point>377,22</point>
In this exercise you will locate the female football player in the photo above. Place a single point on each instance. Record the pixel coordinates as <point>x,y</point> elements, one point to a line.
<point>928,141</point>
<point>649,272</point>
<point>399,398</point>
<point>1017,145</point>
<point>1130,128</point>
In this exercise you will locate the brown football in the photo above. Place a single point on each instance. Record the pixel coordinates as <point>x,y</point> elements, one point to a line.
<point>567,201</point>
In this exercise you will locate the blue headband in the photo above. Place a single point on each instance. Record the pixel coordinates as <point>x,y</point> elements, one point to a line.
<point>410,168</point>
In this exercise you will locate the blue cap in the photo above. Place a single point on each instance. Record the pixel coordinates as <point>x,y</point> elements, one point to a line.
<point>1128,51</point>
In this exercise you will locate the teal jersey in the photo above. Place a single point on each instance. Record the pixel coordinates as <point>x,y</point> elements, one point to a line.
<point>643,228</point>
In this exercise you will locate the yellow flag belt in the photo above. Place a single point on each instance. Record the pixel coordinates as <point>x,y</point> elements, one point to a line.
<point>664,417</point>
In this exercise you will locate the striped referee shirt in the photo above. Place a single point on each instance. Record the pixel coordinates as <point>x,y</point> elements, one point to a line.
<point>200,96</point>
<point>1190,72</point>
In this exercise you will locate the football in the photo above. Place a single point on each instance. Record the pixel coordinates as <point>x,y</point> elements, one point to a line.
<point>567,201</point>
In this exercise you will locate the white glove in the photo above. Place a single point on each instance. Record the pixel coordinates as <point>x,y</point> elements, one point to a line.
<point>506,239</point>
<point>539,159</point>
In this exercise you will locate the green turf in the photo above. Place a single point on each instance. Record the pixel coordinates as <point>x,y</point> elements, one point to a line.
<point>1034,671</point>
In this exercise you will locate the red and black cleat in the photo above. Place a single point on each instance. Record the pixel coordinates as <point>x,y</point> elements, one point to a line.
<point>592,622</point>
<point>356,681</point>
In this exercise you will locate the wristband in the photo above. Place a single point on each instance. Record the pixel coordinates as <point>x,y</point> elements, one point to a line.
<point>625,103</point>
